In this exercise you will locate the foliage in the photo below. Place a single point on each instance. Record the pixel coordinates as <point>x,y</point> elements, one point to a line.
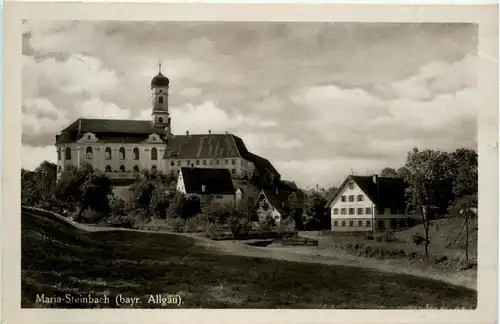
<point>82,189</point>
<point>389,173</point>
<point>239,225</point>
<point>418,239</point>
<point>37,187</point>
<point>268,224</point>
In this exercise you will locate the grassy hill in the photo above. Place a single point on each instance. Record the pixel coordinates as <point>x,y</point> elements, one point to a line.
<point>58,258</point>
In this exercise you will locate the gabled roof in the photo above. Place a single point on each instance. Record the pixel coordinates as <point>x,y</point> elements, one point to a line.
<point>278,196</point>
<point>109,130</point>
<point>215,181</point>
<point>390,192</point>
<point>199,146</point>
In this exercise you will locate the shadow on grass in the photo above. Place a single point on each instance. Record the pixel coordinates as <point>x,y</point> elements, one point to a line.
<point>58,259</point>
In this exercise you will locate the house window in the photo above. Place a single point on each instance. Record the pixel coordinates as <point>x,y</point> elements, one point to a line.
<point>368,224</point>
<point>360,223</point>
<point>219,197</point>
<point>360,211</point>
<point>154,154</point>
<point>204,162</point>
<point>360,197</point>
<point>188,163</point>
<point>343,211</point>
<point>68,153</point>
<point>233,162</point>
<point>153,168</point>
<point>335,223</point>
<point>160,120</point>
<point>233,171</point>
<point>197,162</point>
<point>394,210</point>
<point>351,211</point>
<point>211,162</point>
<point>343,223</point>
<point>351,223</point>
<point>380,210</point>
<point>351,198</point>
<point>381,224</point>
<point>172,163</point>
<point>368,211</point>
<point>122,168</point>
<point>136,168</point>
<point>343,199</point>
<point>122,153</point>
<point>59,154</point>
<point>108,168</point>
<point>226,162</point>
<point>350,185</point>
<point>217,162</point>
<point>136,153</point>
<point>88,153</point>
<point>178,163</point>
<point>107,153</point>
<point>335,211</point>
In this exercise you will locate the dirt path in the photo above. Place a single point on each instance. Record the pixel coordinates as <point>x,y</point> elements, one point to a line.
<point>321,255</point>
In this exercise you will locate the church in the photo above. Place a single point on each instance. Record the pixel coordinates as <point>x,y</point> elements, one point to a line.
<point>122,148</point>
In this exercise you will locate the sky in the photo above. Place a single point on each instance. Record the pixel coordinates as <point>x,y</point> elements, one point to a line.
<point>319,100</point>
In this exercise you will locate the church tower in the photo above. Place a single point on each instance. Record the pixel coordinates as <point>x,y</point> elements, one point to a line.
<point>160,114</point>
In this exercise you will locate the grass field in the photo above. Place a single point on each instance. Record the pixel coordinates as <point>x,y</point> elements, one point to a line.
<point>58,258</point>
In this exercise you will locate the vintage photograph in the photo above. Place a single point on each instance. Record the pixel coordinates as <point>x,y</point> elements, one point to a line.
<point>250,165</point>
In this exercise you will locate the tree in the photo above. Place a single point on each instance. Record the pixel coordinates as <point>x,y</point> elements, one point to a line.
<point>426,170</point>
<point>464,171</point>
<point>389,173</point>
<point>294,211</point>
<point>84,189</point>
<point>37,187</point>
<point>315,208</point>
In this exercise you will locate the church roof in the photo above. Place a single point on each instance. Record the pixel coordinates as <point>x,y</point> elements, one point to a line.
<point>201,146</point>
<point>160,81</point>
<point>109,130</point>
<point>207,181</point>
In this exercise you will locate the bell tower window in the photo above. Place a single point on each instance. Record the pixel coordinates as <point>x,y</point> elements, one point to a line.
<point>160,119</point>
<point>160,100</point>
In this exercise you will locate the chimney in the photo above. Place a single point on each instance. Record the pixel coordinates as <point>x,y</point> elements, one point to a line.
<point>187,133</point>
<point>209,131</point>
<point>203,188</point>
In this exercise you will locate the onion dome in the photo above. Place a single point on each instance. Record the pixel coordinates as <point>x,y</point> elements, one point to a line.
<point>160,81</point>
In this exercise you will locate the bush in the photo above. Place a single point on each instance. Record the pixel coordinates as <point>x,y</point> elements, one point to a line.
<point>178,225</point>
<point>198,224</point>
<point>123,221</point>
<point>418,239</point>
<point>89,216</point>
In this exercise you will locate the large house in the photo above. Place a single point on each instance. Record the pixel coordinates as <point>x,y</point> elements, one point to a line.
<point>121,148</point>
<point>367,203</point>
<point>203,182</point>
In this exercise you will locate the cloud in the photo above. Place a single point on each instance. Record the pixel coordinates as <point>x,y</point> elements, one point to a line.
<point>32,156</point>
<point>314,98</point>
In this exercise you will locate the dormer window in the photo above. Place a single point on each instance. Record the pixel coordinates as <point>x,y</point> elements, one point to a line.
<point>350,185</point>
<point>89,137</point>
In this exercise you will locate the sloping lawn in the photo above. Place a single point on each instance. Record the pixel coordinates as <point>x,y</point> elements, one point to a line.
<point>58,258</point>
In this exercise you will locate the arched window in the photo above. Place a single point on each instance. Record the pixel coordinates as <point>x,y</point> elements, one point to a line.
<point>153,168</point>
<point>68,153</point>
<point>122,153</point>
<point>160,119</point>
<point>136,153</point>
<point>160,100</point>
<point>88,153</point>
<point>108,168</point>
<point>122,168</point>
<point>59,154</point>
<point>107,153</point>
<point>136,168</point>
<point>154,154</point>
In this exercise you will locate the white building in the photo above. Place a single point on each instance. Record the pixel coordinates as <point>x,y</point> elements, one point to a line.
<point>367,203</point>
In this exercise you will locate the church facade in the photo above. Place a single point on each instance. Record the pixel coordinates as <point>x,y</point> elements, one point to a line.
<point>122,148</point>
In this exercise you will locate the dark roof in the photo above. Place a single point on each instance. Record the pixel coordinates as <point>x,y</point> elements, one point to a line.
<point>160,80</point>
<point>390,192</point>
<point>214,146</point>
<point>216,181</point>
<point>109,130</point>
<point>278,196</point>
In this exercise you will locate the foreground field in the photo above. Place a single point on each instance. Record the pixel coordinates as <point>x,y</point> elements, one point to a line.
<point>58,258</point>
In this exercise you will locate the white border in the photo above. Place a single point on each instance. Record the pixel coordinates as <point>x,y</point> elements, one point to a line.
<point>487,18</point>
